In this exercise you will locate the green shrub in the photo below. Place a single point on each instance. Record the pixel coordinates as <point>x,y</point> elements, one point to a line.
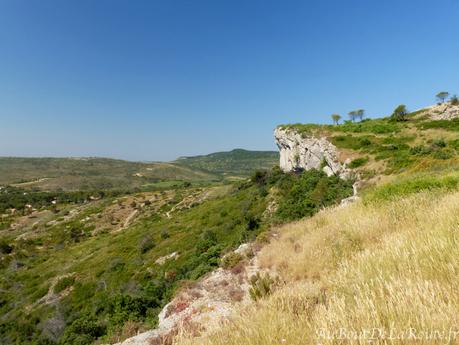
<point>63,284</point>
<point>454,144</point>
<point>165,234</point>
<point>358,162</point>
<point>253,223</point>
<point>146,244</point>
<point>83,331</point>
<point>230,260</point>
<point>207,241</point>
<point>5,248</point>
<point>444,153</point>
<point>420,150</point>
<point>365,142</point>
<point>347,142</point>
<point>304,194</point>
<point>438,143</point>
<point>400,113</point>
<point>259,177</point>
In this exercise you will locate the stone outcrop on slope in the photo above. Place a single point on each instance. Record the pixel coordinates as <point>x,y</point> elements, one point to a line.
<point>299,153</point>
<point>444,111</point>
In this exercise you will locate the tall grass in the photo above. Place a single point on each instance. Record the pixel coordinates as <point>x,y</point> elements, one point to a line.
<point>384,272</point>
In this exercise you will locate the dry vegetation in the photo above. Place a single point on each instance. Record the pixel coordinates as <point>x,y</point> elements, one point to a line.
<point>389,265</point>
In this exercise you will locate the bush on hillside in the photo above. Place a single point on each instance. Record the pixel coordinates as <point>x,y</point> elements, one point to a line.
<point>146,244</point>
<point>63,284</point>
<point>420,150</point>
<point>400,113</point>
<point>444,153</point>
<point>230,260</point>
<point>358,162</point>
<point>5,248</point>
<point>304,194</point>
<point>82,331</point>
<point>165,234</point>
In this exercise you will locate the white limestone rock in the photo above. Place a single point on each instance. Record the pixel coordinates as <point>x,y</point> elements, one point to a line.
<point>444,111</point>
<point>299,153</point>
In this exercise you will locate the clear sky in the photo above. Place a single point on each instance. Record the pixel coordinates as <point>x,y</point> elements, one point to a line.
<point>154,80</point>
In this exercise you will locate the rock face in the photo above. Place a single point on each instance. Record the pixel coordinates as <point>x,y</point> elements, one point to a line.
<point>444,111</point>
<point>299,153</point>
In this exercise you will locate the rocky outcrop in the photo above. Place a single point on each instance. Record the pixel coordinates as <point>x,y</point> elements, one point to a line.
<point>202,305</point>
<point>299,153</point>
<point>444,111</point>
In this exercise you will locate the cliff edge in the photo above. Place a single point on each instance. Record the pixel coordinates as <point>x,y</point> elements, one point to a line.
<point>299,152</point>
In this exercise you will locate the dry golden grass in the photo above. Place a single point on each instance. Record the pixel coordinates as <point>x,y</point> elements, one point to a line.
<point>390,269</point>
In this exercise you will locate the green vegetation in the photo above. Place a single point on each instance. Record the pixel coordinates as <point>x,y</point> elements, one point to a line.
<point>391,263</point>
<point>17,198</point>
<point>400,113</point>
<point>442,96</point>
<point>336,118</point>
<point>372,126</point>
<point>358,162</point>
<point>351,266</point>
<point>80,259</point>
<point>413,184</point>
<point>305,194</point>
<point>89,174</point>
<point>354,114</point>
<point>394,144</point>
<point>449,125</point>
<point>63,284</point>
<point>105,279</point>
<point>76,174</point>
<point>231,260</point>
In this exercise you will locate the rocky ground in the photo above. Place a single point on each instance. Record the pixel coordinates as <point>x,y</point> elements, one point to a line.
<point>444,111</point>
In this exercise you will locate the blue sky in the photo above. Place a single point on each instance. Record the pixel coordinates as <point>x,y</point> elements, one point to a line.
<point>154,80</point>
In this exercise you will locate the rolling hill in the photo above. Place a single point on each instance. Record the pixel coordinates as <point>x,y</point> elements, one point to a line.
<point>237,162</point>
<point>71,174</point>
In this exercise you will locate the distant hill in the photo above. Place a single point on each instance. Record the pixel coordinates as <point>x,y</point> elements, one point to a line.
<point>91,173</point>
<point>71,174</point>
<point>235,162</point>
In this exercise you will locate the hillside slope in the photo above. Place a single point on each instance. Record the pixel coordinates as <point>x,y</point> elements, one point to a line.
<point>381,270</point>
<point>386,268</point>
<point>81,267</point>
<point>378,148</point>
<point>72,174</point>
